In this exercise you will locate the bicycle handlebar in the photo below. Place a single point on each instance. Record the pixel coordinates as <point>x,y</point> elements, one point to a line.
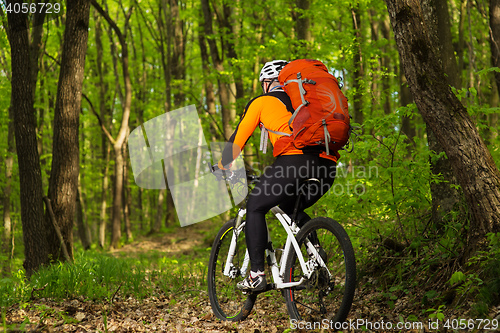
<point>235,176</point>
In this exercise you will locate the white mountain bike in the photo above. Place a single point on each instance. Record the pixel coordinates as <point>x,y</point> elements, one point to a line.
<point>316,272</point>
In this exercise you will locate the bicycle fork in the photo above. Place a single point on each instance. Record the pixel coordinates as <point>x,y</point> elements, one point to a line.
<point>229,269</point>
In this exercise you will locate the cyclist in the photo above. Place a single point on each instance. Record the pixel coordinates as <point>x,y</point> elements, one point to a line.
<point>279,183</point>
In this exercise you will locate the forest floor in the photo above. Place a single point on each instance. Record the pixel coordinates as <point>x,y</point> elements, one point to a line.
<point>161,314</point>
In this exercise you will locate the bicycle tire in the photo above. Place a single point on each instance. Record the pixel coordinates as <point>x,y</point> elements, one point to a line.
<point>227,301</point>
<point>323,297</point>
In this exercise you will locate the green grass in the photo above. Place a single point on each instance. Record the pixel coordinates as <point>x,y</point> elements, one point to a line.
<point>102,277</point>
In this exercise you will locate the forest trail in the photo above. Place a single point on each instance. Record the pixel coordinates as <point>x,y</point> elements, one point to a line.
<point>181,241</point>
<point>177,312</point>
<point>168,313</point>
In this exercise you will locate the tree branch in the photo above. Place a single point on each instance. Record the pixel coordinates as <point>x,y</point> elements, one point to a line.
<point>58,231</point>
<point>110,21</point>
<point>122,133</point>
<point>101,123</point>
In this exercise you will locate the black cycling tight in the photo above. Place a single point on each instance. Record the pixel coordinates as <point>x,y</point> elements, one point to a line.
<point>278,186</point>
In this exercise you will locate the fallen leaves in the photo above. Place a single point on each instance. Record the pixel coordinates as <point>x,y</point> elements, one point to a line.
<point>149,315</point>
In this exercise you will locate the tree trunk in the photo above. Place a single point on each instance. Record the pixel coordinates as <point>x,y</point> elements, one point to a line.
<point>104,199</point>
<point>81,220</point>
<point>171,215</point>
<point>30,176</point>
<point>155,228</point>
<point>143,210</point>
<point>172,47</point>
<point>445,196</point>
<point>45,99</point>
<point>105,145</point>
<point>121,137</point>
<point>35,56</point>
<point>302,21</point>
<point>407,126</point>
<point>455,131</point>
<point>208,87</point>
<point>358,73</point>
<point>116,219</point>
<point>7,219</point>
<point>63,183</point>
<point>224,92</point>
<point>495,38</point>
<point>381,82</point>
<point>127,199</point>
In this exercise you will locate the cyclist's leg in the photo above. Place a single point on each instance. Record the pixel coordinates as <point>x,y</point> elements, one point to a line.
<point>279,184</point>
<point>269,192</point>
<point>322,169</point>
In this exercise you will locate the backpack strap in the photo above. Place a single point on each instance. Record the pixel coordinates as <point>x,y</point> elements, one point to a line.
<point>264,137</point>
<point>327,137</point>
<point>302,91</point>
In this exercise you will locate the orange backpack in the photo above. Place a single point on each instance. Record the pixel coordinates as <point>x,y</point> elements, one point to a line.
<point>321,116</point>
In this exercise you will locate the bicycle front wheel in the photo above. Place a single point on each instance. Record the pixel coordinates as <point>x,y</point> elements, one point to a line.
<point>227,301</point>
<point>329,293</point>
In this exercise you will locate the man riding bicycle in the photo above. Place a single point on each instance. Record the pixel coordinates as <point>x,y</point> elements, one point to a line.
<point>280,181</point>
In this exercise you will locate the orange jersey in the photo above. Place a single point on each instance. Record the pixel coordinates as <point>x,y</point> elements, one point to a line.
<point>273,110</point>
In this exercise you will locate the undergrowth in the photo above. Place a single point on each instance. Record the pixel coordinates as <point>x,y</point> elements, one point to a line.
<point>382,197</point>
<point>434,277</point>
<point>100,277</point>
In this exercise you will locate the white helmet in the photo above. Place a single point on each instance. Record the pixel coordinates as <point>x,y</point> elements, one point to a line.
<point>272,69</point>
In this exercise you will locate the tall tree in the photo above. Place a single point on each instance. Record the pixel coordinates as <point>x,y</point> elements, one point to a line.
<point>228,111</point>
<point>302,20</point>
<point>495,38</point>
<point>6,237</point>
<point>359,71</point>
<point>470,159</point>
<point>121,137</point>
<point>63,183</point>
<point>7,218</point>
<point>175,71</point>
<point>208,84</point>
<point>169,36</point>
<point>445,196</point>
<point>104,120</point>
<point>30,176</point>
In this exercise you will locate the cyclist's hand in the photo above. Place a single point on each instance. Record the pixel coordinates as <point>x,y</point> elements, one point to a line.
<point>219,173</point>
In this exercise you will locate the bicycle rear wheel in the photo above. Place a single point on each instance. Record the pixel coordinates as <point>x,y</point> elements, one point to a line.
<point>227,301</point>
<point>329,292</point>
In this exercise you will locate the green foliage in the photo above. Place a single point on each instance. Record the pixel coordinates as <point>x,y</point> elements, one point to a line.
<point>382,190</point>
<point>382,186</point>
<point>436,313</point>
<point>102,277</point>
<point>487,277</point>
<point>13,289</point>
<point>92,275</point>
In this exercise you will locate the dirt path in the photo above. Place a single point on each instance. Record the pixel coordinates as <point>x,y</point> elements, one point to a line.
<point>177,313</point>
<point>171,313</point>
<point>158,315</point>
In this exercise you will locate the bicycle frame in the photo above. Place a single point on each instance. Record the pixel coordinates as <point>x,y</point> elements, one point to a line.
<point>278,271</point>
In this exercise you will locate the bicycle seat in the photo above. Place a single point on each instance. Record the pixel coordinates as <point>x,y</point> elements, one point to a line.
<point>306,184</point>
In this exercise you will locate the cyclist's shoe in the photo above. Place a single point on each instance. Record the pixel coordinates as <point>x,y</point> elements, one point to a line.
<point>255,284</point>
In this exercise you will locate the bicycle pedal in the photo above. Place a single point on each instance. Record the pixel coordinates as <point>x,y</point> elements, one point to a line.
<point>270,286</point>
<point>299,288</point>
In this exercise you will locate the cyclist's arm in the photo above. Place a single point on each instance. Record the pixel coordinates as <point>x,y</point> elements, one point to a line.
<point>248,122</point>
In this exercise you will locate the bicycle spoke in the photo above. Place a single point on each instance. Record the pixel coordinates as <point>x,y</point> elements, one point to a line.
<point>330,289</point>
<point>308,307</point>
<point>228,303</point>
